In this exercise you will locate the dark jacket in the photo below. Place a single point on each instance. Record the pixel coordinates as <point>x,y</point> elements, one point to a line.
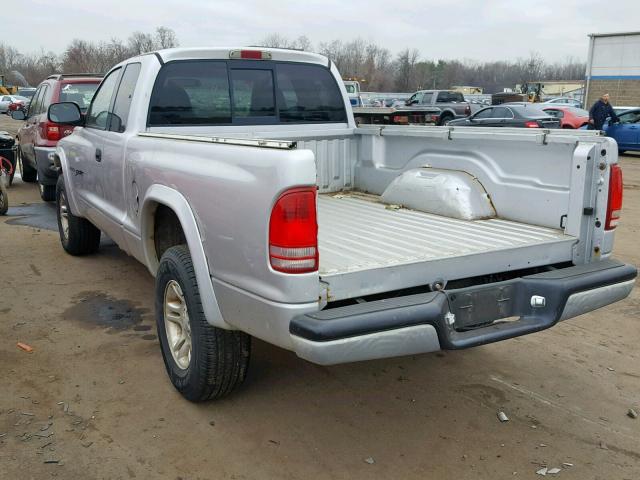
<point>599,113</point>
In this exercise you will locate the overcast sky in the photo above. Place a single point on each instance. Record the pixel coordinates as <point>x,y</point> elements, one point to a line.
<point>462,29</point>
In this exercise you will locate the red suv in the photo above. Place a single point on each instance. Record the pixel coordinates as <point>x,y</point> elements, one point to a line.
<point>38,137</point>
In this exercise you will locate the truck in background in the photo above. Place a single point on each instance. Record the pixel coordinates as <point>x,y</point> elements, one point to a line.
<point>452,104</point>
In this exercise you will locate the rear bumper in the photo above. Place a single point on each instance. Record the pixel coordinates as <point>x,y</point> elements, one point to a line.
<point>456,319</point>
<point>47,172</point>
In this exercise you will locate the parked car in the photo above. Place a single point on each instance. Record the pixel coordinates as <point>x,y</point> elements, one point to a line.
<point>627,131</point>
<point>570,117</point>
<point>567,101</point>
<point>618,109</point>
<point>6,100</point>
<point>527,115</point>
<point>251,235</point>
<point>452,104</point>
<point>38,137</point>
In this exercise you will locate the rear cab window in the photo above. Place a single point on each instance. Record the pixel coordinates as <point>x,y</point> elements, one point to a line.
<point>219,92</point>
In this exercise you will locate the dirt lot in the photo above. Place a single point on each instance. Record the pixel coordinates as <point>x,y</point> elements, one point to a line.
<point>93,395</point>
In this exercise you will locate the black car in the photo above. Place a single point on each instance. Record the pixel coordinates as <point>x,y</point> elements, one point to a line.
<point>516,115</point>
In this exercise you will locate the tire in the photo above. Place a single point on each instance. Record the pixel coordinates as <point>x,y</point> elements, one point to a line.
<point>210,362</point>
<point>4,198</point>
<point>47,192</point>
<point>77,235</point>
<point>28,174</point>
<point>445,119</point>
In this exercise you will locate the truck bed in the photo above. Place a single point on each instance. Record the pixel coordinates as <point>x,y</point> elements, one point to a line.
<point>368,247</point>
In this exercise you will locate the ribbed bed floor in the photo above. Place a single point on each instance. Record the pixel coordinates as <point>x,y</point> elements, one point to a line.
<point>356,234</point>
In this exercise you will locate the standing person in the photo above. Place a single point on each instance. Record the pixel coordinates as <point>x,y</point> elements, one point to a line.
<point>600,111</point>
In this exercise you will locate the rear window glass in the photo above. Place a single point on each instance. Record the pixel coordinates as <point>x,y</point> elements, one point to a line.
<point>253,94</point>
<point>191,93</point>
<point>79,93</point>
<point>308,93</point>
<point>219,92</point>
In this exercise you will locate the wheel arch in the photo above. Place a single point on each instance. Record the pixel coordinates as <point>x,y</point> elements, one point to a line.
<point>161,196</point>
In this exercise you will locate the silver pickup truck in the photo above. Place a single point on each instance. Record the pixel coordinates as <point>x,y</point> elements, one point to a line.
<point>239,178</point>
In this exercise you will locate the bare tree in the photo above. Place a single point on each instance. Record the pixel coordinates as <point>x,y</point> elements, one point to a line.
<point>166,38</point>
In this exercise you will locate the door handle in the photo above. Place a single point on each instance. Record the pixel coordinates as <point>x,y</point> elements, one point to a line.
<point>98,155</point>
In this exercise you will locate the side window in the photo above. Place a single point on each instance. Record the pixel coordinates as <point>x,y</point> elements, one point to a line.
<point>486,113</point>
<point>43,102</point>
<point>33,106</point>
<point>501,112</point>
<point>253,93</point>
<point>98,114</point>
<point>443,97</point>
<point>122,103</point>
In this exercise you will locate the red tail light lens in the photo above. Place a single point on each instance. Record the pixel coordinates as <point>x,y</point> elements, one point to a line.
<point>614,204</point>
<point>52,131</point>
<point>293,232</point>
<point>467,110</point>
<point>531,124</point>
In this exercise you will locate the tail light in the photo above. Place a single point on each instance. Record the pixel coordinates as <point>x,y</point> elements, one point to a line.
<point>435,118</point>
<point>614,204</point>
<point>400,119</point>
<point>52,131</point>
<point>531,124</point>
<point>467,110</point>
<point>293,232</point>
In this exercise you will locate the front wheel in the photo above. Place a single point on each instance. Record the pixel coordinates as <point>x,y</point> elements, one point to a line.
<point>77,235</point>
<point>203,362</point>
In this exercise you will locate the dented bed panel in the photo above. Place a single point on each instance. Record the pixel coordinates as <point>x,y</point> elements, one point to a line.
<point>367,247</point>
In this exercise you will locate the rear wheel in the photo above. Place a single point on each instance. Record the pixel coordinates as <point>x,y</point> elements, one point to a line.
<point>77,235</point>
<point>203,362</point>
<point>27,173</point>
<point>4,198</point>
<point>47,192</point>
<point>445,119</point>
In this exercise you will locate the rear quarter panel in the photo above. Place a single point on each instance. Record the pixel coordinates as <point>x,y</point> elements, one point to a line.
<point>231,190</point>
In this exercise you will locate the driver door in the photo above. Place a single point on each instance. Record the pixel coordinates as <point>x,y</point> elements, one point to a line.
<point>85,161</point>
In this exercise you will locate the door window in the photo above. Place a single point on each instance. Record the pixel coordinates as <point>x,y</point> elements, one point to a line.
<point>122,103</point>
<point>486,113</point>
<point>501,112</point>
<point>426,98</point>
<point>33,106</point>
<point>98,114</point>
<point>629,117</point>
<point>43,102</point>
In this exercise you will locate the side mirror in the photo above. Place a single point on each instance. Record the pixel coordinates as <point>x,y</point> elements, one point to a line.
<point>67,113</point>
<point>18,115</point>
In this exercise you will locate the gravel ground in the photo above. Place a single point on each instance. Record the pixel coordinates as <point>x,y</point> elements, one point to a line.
<point>92,400</point>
